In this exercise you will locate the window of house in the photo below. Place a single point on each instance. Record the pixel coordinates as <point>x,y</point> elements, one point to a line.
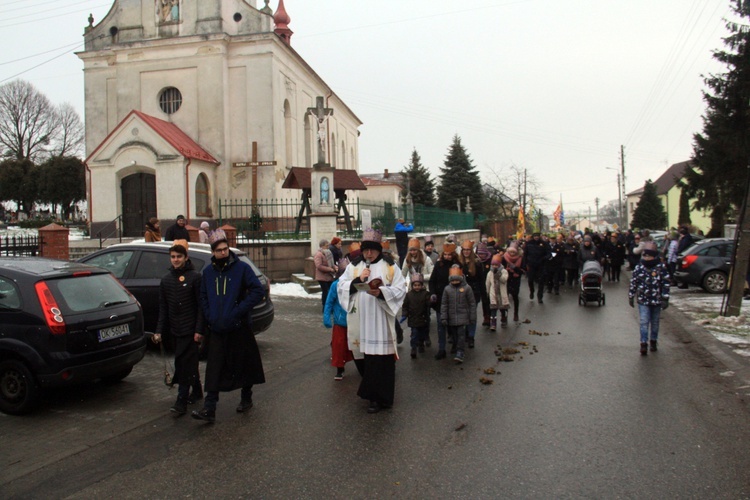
<point>202,200</point>
<point>170,100</point>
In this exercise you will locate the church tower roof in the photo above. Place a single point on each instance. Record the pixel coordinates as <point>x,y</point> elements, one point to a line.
<point>282,20</point>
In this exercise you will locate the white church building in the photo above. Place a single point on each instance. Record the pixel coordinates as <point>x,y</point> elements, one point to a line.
<point>188,102</point>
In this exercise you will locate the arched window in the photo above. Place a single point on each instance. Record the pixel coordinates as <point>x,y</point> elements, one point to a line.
<point>343,155</point>
<point>353,163</point>
<point>288,134</point>
<point>202,198</point>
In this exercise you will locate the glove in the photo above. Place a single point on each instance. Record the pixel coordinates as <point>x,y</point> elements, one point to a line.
<point>664,303</point>
<point>631,301</point>
<point>433,299</point>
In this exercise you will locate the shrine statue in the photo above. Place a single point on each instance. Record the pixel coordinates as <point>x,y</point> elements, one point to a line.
<point>324,191</point>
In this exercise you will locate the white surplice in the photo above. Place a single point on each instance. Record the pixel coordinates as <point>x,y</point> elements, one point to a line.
<point>371,321</point>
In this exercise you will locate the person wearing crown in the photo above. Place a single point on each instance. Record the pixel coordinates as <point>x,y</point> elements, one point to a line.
<point>372,290</point>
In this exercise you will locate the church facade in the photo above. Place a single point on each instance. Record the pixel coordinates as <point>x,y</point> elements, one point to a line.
<point>188,102</point>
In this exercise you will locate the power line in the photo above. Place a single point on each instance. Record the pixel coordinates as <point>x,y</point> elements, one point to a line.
<point>88,9</point>
<point>40,53</point>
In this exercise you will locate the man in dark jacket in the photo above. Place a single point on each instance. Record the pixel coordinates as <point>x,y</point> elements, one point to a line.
<point>180,313</point>
<point>229,291</point>
<point>536,254</point>
<point>177,231</point>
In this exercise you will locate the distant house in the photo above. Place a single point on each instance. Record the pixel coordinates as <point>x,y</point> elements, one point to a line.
<point>382,188</point>
<point>669,194</point>
<point>506,206</point>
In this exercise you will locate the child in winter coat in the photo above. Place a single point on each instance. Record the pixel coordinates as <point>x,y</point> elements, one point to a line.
<point>497,279</point>
<point>650,282</point>
<point>416,309</point>
<point>335,315</point>
<point>458,310</point>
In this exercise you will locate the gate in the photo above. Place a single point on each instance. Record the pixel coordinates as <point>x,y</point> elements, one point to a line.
<point>255,245</point>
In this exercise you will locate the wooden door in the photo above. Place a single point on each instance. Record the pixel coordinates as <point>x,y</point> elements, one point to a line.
<point>138,203</point>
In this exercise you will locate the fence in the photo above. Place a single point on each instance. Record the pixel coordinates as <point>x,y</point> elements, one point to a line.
<point>20,246</point>
<point>288,218</point>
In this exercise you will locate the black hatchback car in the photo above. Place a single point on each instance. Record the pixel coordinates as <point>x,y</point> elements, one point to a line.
<point>706,263</point>
<point>62,323</point>
<point>140,267</point>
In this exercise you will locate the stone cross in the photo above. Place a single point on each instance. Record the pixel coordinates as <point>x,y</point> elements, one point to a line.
<point>321,114</point>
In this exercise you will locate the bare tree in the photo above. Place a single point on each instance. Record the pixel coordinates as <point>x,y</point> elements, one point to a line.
<point>29,123</point>
<point>518,184</point>
<point>71,135</point>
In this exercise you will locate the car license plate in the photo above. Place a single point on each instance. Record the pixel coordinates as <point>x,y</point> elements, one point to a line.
<point>113,332</point>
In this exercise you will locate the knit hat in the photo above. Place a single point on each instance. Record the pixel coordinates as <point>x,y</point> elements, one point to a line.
<point>512,250</point>
<point>451,237</point>
<point>449,247</point>
<point>497,260</point>
<point>205,225</point>
<point>467,245</point>
<point>180,217</point>
<point>417,278</point>
<point>336,240</point>
<point>414,243</point>
<point>482,251</point>
<point>372,240</point>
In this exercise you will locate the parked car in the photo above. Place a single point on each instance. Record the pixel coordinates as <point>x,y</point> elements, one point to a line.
<point>62,323</point>
<point>706,263</point>
<point>140,267</point>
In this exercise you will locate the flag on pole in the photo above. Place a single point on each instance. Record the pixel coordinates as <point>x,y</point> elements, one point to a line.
<point>521,228</point>
<point>559,215</point>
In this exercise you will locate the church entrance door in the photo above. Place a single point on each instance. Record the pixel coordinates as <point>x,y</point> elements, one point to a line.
<point>138,203</point>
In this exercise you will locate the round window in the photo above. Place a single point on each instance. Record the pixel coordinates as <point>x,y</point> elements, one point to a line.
<point>170,100</point>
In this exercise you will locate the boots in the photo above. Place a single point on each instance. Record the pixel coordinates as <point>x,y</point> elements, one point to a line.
<point>503,318</point>
<point>653,346</point>
<point>486,321</point>
<point>493,323</point>
<point>644,349</point>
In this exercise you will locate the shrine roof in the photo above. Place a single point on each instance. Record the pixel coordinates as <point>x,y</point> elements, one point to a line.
<point>299,178</point>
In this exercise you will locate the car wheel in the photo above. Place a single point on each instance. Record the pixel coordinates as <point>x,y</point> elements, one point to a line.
<point>19,391</point>
<point>715,282</point>
<point>118,376</point>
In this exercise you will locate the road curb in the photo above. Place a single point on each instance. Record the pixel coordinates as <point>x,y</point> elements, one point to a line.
<point>722,353</point>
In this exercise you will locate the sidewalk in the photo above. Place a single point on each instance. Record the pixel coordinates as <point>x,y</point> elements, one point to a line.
<point>727,339</point>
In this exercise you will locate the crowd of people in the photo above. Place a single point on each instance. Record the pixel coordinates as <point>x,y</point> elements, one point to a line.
<point>368,292</point>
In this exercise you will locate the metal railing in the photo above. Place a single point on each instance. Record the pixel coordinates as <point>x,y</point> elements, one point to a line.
<point>117,221</point>
<point>20,246</point>
<point>289,218</point>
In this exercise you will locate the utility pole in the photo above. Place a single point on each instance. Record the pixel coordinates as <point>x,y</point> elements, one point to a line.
<point>619,206</point>
<point>624,194</point>
<point>596,202</point>
<point>740,257</point>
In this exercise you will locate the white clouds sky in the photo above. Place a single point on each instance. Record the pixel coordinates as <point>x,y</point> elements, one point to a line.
<point>554,86</point>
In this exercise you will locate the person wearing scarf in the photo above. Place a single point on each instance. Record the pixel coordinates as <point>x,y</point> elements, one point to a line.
<point>650,284</point>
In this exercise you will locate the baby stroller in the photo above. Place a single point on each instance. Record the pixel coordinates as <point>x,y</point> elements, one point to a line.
<point>591,284</point>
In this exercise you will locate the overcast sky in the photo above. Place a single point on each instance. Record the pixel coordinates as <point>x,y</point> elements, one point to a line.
<point>552,86</point>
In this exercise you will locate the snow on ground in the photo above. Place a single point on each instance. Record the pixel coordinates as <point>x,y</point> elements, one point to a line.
<point>704,310</point>
<point>292,290</point>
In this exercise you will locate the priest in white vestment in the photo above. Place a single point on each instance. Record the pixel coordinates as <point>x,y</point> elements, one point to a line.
<point>372,290</point>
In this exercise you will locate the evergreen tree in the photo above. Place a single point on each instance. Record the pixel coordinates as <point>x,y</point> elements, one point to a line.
<point>721,152</point>
<point>19,183</point>
<point>418,180</point>
<point>650,213</point>
<point>683,217</point>
<point>459,179</point>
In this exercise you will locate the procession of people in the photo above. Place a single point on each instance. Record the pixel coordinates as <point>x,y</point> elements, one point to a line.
<point>369,291</point>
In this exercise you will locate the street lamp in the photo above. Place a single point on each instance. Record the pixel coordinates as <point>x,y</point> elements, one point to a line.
<point>619,196</point>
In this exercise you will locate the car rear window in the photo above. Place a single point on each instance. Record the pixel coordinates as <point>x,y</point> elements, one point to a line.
<point>87,293</point>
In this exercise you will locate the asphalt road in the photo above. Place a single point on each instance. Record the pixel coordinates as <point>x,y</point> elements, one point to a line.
<point>577,414</point>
